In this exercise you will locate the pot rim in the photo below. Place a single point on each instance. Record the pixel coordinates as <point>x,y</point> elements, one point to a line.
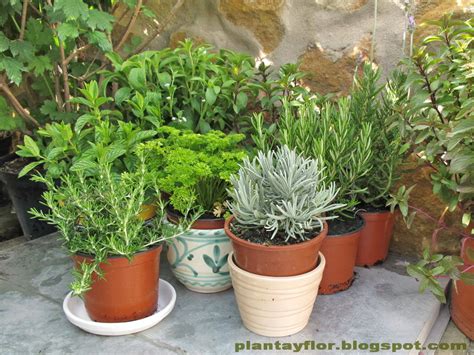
<point>349,233</point>
<point>200,223</point>
<point>375,214</point>
<point>322,234</point>
<point>91,256</point>
<point>318,269</point>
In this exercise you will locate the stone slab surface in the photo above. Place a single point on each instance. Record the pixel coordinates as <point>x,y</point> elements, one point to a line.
<point>383,305</point>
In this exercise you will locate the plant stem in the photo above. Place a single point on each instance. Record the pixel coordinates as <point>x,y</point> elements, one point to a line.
<point>16,104</point>
<point>24,12</point>
<point>130,25</point>
<point>76,52</point>
<point>67,94</point>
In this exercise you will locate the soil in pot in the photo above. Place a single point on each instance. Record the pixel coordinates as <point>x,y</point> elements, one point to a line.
<point>275,306</point>
<point>340,251</point>
<point>198,258</point>
<point>129,290</point>
<point>278,259</point>
<point>462,301</point>
<point>375,237</point>
<point>25,194</point>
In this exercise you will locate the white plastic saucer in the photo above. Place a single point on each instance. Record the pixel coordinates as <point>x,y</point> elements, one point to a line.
<point>76,313</point>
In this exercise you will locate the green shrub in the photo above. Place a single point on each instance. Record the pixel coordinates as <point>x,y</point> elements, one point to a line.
<point>438,123</point>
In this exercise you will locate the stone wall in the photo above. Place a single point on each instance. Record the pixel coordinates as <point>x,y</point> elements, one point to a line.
<point>328,37</point>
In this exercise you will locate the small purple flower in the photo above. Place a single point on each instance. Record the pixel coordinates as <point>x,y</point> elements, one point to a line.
<point>411,23</point>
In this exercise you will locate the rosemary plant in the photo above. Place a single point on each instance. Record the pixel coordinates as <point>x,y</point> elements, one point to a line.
<point>326,132</point>
<point>99,216</point>
<point>283,193</point>
<point>379,105</point>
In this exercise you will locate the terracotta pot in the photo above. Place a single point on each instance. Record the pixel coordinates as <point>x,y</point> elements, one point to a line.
<point>375,238</point>
<point>285,260</point>
<point>340,252</point>
<point>462,301</point>
<point>275,306</point>
<point>129,290</point>
<point>198,257</point>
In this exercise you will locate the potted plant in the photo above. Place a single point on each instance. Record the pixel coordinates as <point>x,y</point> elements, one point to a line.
<point>326,131</point>
<point>194,170</point>
<point>279,203</point>
<point>116,254</point>
<point>378,105</point>
<point>210,89</point>
<point>61,147</point>
<point>439,126</point>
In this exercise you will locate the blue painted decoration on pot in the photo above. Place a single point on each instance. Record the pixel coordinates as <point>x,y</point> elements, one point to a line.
<point>198,258</point>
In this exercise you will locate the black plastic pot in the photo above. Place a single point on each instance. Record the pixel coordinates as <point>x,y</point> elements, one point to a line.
<point>25,194</point>
<point>5,145</point>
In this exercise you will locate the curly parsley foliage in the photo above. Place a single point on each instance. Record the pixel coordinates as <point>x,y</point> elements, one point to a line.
<point>195,168</point>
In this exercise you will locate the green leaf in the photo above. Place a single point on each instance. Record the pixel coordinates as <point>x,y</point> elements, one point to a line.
<point>73,9</point>
<point>28,168</point>
<point>4,42</point>
<point>122,94</point>
<point>137,78</point>
<point>100,39</point>
<point>242,99</point>
<point>100,20</point>
<point>115,59</point>
<point>49,108</point>
<point>461,163</point>
<point>164,78</point>
<point>210,96</point>
<point>67,30</point>
<point>84,164</point>
<point>13,68</point>
<point>147,12</point>
<point>204,127</point>
<point>31,145</point>
<point>82,121</point>
<point>22,49</point>
<point>464,126</point>
<point>40,64</point>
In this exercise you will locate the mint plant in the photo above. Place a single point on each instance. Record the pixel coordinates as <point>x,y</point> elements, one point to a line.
<point>195,169</point>
<point>192,87</point>
<point>98,135</point>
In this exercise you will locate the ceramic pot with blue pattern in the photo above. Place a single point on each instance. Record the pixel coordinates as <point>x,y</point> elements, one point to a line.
<point>198,258</point>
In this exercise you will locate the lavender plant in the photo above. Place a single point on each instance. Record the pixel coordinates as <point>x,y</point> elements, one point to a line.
<point>283,193</point>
